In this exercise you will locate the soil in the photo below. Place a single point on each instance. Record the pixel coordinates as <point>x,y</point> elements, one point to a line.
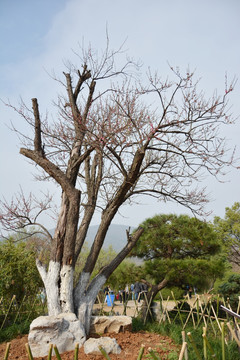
<point>129,342</point>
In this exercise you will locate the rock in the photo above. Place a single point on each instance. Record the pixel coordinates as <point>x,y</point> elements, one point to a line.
<point>157,313</point>
<point>63,330</point>
<point>110,324</point>
<point>91,346</point>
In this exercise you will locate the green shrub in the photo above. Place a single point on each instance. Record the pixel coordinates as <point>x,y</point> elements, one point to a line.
<point>174,331</point>
<point>12,331</point>
<point>178,293</point>
<point>231,290</point>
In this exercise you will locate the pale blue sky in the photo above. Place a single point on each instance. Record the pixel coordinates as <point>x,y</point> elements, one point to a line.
<point>36,36</point>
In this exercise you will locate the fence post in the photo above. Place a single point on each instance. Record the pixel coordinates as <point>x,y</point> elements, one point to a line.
<point>194,346</point>
<point>103,351</point>
<point>76,351</point>
<point>153,355</point>
<point>140,354</point>
<point>57,353</point>
<point>202,312</point>
<point>190,313</point>
<point>210,319</point>
<point>19,309</point>
<point>6,315</point>
<point>50,351</point>
<point>204,343</point>
<point>7,351</point>
<point>233,334</point>
<point>238,305</point>
<point>185,352</point>
<point>220,328</point>
<point>29,352</point>
<point>209,346</point>
<point>223,341</point>
<point>177,308</point>
<point>164,310</point>
<point>148,310</point>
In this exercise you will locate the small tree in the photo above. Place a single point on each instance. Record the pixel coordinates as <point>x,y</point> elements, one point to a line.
<point>231,290</point>
<point>18,271</point>
<point>125,274</point>
<point>229,231</point>
<point>114,137</point>
<point>179,250</point>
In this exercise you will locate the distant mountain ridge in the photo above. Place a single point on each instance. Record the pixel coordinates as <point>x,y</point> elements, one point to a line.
<point>116,236</point>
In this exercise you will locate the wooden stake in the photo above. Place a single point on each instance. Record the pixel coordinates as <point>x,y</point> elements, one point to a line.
<point>7,351</point>
<point>223,341</point>
<point>183,351</point>
<point>76,351</point>
<point>204,343</point>
<point>141,351</point>
<point>50,351</point>
<point>29,351</point>
<point>233,334</point>
<point>194,346</point>
<point>184,340</point>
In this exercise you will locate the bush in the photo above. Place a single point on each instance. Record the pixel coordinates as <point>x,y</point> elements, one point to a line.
<point>174,331</point>
<point>178,293</point>
<point>18,271</point>
<point>231,290</point>
<point>12,331</point>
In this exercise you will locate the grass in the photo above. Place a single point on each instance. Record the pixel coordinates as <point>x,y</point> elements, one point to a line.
<point>13,331</point>
<point>174,331</point>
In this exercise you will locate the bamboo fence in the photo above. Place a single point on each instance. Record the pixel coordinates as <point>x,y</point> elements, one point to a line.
<point>203,312</point>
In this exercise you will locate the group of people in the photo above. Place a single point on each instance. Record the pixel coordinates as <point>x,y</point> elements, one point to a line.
<point>134,291</point>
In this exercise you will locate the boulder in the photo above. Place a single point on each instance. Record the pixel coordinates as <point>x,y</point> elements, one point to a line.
<point>110,324</point>
<point>63,330</point>
<point>91,346</point>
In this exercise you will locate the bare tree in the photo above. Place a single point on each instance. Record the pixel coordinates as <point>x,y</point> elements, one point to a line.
<point>115,136</point>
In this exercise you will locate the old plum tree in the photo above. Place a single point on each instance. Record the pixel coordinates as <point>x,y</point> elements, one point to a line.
<point>115,136</point>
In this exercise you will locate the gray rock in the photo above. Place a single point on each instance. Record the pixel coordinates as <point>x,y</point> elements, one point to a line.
<point>91,346</point>
<point>110,324</point>
<point>63,330</point>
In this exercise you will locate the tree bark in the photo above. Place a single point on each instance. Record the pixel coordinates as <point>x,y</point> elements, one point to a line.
<point>147,303</point>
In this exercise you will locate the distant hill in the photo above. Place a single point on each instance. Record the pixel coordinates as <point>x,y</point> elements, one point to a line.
<point>116,236</point>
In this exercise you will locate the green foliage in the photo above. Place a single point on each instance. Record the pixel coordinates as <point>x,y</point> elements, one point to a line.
<point>229,231</point>
<point>175,333</point>
<point>178,293</point>
<point>104,258</point>
<point>13,331</point>
<point>224,279</point>
<point>231,290</point>
<point>18,272</point>
<point>126,273</point>
<point>180,249</point>
<point>176,236</point>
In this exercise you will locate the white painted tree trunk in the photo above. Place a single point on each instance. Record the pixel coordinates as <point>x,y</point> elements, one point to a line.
<point>50,279</point>
<point>59,300</point>
<point>62,300</point>
<point>66,289</point>
<point>84,298</point>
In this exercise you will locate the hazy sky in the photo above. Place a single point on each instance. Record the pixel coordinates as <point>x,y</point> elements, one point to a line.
<point>37,36</point>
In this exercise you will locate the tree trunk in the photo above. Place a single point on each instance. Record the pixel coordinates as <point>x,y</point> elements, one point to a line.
<point>148,301</point>
<point>50,279</point>
<point>85,299</point>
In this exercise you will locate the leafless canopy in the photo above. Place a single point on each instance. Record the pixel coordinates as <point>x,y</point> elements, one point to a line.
<point>117,135</point>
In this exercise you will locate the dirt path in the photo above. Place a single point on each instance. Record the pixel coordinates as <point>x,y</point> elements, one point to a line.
<point>130,344</point>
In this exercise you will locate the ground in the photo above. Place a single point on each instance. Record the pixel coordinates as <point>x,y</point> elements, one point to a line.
<point>129,342</point>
